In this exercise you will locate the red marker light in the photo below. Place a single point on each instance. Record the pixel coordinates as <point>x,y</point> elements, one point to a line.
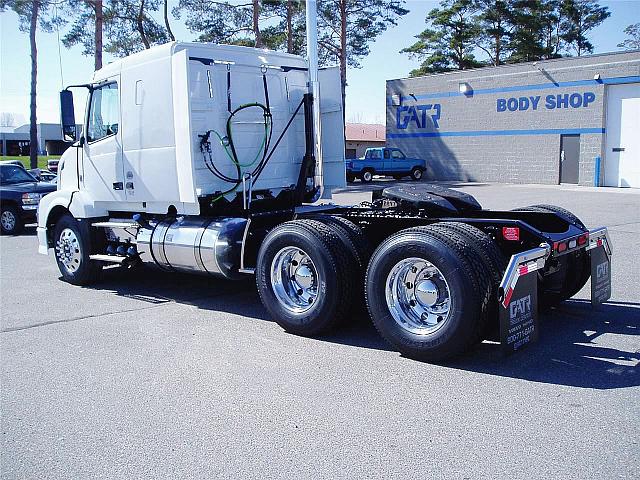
<point>561,247</point>
<point>511,233</point>
<point>583,239</point>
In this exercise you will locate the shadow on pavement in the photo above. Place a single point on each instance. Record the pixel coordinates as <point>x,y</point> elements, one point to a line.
<point>569,351</point>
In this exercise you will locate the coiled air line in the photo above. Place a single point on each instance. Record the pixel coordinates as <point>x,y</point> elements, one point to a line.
<point>229,146</point>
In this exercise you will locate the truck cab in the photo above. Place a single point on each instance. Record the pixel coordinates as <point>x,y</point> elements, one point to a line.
<point>385,161</point>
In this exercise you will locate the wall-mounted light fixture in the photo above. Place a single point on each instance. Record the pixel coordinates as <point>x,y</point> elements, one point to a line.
<point>396,100</point>
<point>597,77</point>
<point>464,88</point>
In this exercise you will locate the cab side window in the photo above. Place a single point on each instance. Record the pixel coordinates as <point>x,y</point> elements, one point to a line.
<point>386,154</point>
<point>104,112</point>
<point>375,154</point>
<point>397,154</point>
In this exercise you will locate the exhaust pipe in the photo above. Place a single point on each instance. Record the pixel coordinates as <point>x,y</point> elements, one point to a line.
<point>314,90</point>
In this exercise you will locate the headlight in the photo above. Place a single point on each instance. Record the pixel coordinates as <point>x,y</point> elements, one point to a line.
<point>31,198</point>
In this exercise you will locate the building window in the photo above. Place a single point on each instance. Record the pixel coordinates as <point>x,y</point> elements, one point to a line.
<point>350,153</point>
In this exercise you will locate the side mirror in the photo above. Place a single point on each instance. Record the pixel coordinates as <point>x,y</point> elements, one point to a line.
<point>68,116</point>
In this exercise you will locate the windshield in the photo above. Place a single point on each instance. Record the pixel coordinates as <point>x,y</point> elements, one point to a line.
<point>14,174</point>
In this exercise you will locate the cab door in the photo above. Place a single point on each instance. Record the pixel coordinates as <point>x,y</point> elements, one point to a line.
<point>387,165</point>
<point>103,170</point>
<point>394,161</point>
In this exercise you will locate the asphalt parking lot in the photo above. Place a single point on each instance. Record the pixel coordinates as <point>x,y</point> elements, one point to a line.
<point>152,375</point>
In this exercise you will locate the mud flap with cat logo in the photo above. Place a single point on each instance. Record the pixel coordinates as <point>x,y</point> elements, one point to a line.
<point>518,309</point>
<point>600,246</point>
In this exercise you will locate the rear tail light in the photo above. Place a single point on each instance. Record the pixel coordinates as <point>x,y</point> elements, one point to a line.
<point>583,239</point>
<point>560,246</point>
<point>511,233</point>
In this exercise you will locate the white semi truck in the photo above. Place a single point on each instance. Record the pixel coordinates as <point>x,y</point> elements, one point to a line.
<point>210,159</point>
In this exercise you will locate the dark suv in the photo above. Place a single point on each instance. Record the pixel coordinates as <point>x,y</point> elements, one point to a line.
<point>20,194</point>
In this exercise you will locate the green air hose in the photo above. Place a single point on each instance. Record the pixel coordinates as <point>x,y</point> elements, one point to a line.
<point>230,150</point>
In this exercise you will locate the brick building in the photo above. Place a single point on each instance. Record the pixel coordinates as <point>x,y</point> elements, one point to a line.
<point>571,120</point>
<point>360,136</point>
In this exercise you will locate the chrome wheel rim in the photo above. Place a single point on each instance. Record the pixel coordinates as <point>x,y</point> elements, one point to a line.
<point>295,279</point>
<point>68,250</point>
<point>8,220</point>
<point>418,296</point>
<point>367,176</point>
<point>417,174</point>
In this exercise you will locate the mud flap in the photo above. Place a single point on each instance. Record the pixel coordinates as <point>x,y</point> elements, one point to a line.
<point>601,249</point>
<point>600,276</point>
<point>518,308</point>
<point>519,319</point>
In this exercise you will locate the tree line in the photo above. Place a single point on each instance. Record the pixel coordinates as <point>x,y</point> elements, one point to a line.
<point>505,31</point>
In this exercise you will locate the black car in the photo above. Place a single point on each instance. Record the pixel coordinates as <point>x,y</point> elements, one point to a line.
<point>20,194</point>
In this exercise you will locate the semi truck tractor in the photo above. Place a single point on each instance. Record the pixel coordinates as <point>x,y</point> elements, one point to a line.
<point>215,160</point>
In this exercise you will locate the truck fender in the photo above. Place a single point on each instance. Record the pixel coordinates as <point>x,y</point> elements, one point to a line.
<point>54,205</point>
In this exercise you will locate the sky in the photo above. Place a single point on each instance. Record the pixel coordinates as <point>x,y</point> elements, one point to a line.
<point>366,85</point>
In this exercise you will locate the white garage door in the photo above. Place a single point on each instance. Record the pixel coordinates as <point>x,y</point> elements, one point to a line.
<point>622,154</point>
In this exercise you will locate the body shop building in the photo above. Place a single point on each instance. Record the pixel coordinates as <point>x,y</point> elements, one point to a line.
<point>570,120</point>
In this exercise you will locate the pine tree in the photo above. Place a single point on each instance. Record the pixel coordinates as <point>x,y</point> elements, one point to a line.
<point>449,42</point>
<point>632,43</point>
<point>580,17</point>
<point>33,15</point>
<point>346,28</point>
<point>494,26</point>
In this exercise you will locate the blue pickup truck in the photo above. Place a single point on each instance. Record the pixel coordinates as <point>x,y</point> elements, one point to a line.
<point>384,161</point>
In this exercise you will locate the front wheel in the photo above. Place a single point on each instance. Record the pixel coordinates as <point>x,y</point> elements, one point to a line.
<point>72,250</point>
<point>416,173</point>
<point>10,221</point>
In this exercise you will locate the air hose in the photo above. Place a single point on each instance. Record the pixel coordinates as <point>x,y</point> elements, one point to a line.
<point>229,146</point>
<point>227,143</point>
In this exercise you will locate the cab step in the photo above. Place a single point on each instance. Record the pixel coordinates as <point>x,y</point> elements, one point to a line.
<point>116,224</point>
<point>110,258</point>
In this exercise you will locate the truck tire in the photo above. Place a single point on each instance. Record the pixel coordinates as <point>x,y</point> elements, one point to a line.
<point>494,262</point>
<point>566,214</point>
<point>72,252</point>
<point>416,174</point>
<point>305,277</point>
<point>353,240</point>
<point>352,236</point>
<point>576,268</point>
<point>444,312</point>
<point>367,175</point>
<point>577,265</point>
<point>10,221</point>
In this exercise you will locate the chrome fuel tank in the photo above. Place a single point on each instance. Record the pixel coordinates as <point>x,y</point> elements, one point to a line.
<point>194,244</point>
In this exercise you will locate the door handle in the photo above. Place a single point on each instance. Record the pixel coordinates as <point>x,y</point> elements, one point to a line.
<point>117,185</point>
